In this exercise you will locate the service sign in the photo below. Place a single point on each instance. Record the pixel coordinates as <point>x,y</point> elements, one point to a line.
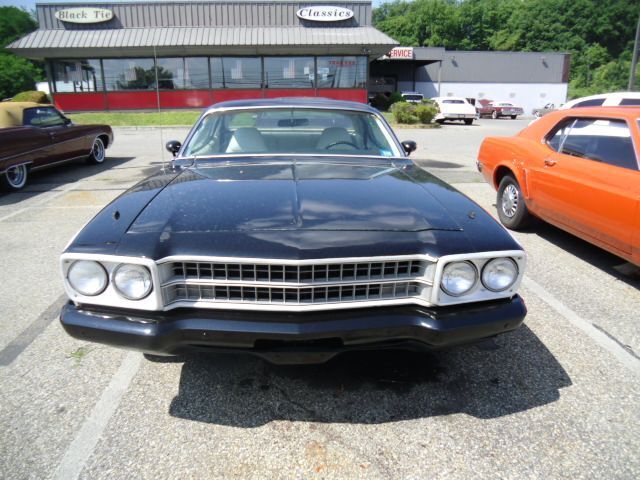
<point>84,15</point>
<point>325,13</point>
<point>405,53</point>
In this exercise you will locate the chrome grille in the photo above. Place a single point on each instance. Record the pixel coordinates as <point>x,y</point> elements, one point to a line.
<point>332,283</point>
<point>297,274</point>
<point>290,295</point>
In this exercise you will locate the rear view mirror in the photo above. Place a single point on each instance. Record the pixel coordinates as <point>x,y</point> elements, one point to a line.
<point>409,146</point>
<point>173,146</point>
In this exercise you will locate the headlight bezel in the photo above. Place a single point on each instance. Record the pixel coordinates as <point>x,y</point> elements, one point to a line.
<point>499,259</point>
<point>120,291</point>
<point>110,297</point>
<point>105,283</point>
<point>471,287</point>
<point>439,297</point>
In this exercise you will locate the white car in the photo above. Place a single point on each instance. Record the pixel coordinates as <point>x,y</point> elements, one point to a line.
<point>605,100</point>
<point>412,97</point>
<point>454,108</point>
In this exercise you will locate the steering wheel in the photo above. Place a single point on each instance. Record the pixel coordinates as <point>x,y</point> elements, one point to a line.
<point>341,143</point>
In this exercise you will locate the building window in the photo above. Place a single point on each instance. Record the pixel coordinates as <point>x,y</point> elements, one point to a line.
<point>182,73</point>
<point>77,76</point>
<point>236,72</point>
<point>342,72</point>
<point>289,72</point>
<point>170,74</point>
<point>129,74</point>
<point>196,73</point>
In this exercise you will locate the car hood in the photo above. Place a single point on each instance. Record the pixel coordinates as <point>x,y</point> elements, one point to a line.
<point>310,194</point>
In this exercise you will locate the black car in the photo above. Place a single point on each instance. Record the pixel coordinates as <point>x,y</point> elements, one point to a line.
<point>294,230</point>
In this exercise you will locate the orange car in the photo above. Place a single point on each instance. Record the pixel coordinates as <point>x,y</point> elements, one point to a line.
<point>577,169</point>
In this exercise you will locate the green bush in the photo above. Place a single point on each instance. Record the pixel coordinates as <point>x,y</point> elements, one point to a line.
<point>395,97</point>
<point>381,102</point>
<point>425,113</point>
<point>31,96</point>
<point>404,112</point>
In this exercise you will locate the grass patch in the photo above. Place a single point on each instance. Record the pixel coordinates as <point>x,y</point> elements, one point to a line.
<point>79,353</point>
<point>137,119</point>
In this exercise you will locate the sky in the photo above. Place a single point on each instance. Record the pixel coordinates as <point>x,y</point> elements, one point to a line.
<point>31,4</point>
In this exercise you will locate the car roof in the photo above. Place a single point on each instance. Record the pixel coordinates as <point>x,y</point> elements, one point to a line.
<point>606,96</point>
<point>449,98</point>
<point>298,102</point>
<point>11,112</point>
<point>628,111</point>
<point>542,125</point>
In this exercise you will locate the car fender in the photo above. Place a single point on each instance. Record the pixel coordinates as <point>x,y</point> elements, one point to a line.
<point>500,156</point>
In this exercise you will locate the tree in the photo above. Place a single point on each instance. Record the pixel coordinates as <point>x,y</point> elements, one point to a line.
<point>14,23</point>
<point>16,74</point>
<point>597,33</point>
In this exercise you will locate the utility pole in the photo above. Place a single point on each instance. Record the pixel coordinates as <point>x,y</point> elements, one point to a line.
<point>634,59</point>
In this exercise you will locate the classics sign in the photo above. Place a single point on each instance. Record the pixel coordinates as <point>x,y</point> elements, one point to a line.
<point>324,14</point>
<point>84,15</point>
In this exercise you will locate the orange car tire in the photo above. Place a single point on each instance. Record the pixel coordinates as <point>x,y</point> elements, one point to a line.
<point>512,211</point>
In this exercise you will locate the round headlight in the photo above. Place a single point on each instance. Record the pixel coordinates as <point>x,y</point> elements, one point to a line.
<point>132,281</point>
<point>458,278</point>
<point>499,274</point>
<point>87,277</point>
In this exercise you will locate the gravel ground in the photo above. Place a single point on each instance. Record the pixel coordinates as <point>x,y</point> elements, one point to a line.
<point>558,398</point>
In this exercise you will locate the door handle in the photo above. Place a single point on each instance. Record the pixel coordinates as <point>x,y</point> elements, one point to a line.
<point>549,162</point>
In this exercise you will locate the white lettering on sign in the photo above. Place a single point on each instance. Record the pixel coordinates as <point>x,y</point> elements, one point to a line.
<point>84,15</point>
<point>325,14</point>
<point>402,52</point>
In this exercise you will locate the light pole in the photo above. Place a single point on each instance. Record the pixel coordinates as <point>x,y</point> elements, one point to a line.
<point>634,59</point>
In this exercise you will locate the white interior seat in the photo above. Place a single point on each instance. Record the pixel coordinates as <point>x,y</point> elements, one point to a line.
<point>246,139</point>
<point>332,135</point>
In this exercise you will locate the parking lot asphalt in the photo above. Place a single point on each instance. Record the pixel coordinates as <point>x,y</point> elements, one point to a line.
<point>558,398</point>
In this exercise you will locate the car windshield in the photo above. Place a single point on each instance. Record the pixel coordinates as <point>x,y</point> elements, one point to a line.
<point>453,101</point>
<point>414,97</point>
<point>291,131</point>
<point>505,105</point>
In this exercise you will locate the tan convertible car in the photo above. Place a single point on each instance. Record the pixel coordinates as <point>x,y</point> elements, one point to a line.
<point>34,136</point>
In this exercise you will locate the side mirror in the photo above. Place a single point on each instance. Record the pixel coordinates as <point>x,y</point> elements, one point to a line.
<point>67,121</point>
<point>409,146</point>
<point>173,146</point>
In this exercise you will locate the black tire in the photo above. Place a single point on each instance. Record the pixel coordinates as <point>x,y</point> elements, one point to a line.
<point>512,210</point>
<point>494,114</point>
<point>98,152</point>
<point>15,178</point>
<point>440,122</point>
<point>468,121</point>
<point>513,117</point>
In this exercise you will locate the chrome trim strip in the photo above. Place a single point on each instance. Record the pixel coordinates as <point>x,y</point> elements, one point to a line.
<point>298,285</point>
<point>259,307</point>
<point>271,261</point>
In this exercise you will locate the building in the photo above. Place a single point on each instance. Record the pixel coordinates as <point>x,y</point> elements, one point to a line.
<point>191,54</point>
<point>528,79</point>
<point>147,55</point>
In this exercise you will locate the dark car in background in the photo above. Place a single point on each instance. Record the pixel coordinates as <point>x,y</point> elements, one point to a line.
<point>489,108</point>
<point>35,136</point>
<point>293,229</point>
